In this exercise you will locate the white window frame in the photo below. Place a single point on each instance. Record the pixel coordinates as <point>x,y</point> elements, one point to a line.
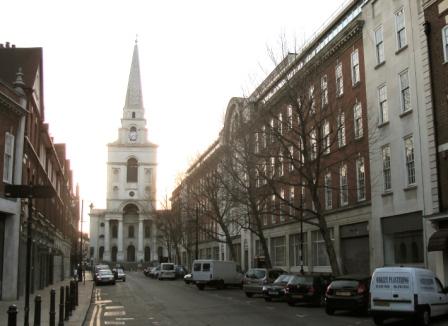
<point>273,208</point>
<point>387,176</point>
<point>328,191</point>
<point>317,240</point>
<point>379,45</point>
<point>382,104</point>
<point>341,130</point>
<point>313,144</point>
<point>360,179</point>
<point>326,137</point>
<point>343,184</point>
<point>291,158</point>
<point>257,143</point>
<point>312,99</point>
<point>445,43</point>
<point>324,90</point>
<point>290,116</point>
<point>8,158</point>
<point>339,80</point>
<point>356,74</point>
<point>281,205</point>
<point>280,123</point>
<point>263,136</point>
<point>357,120</point>
<point>400,30</point>
<point>409,155</point>
<point>405,91</point>
<point>291,200</point>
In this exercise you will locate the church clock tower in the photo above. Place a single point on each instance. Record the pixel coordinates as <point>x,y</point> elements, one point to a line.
<point>125,231</point>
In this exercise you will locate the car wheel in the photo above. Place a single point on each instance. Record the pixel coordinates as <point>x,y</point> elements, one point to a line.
<point>267,299</point>
<point>378,320</point>
<point>200,286</point>
<point>124,280</point>
<point>221,285</point>
<point>424,317</point>
<point>329,311</point>
<point>321,302</point>
<point>249,295</point>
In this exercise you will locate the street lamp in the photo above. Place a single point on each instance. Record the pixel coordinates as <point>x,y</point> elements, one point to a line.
<point>301,234</point>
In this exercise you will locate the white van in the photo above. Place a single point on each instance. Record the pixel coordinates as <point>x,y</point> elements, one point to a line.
<point>167,271</point>
<point>217,273</point>
<point>406,292</point>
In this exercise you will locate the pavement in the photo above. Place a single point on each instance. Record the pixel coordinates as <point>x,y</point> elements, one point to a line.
<point>78,316</point>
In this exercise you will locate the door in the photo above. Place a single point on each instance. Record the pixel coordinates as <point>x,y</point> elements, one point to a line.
<point>439,304</point>
<point>355,255</point>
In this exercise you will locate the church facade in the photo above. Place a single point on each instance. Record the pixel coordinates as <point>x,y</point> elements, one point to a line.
<point>125,232</point>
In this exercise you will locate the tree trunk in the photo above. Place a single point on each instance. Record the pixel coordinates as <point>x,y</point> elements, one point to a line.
<point>264,246</point>
<point>329,245</point>
<point>229,243</point>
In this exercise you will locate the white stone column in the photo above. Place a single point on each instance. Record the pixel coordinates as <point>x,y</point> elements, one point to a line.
<point>140,241</point>
<point>154,255</point>
<point>120,254</point>
<point>106,256</point>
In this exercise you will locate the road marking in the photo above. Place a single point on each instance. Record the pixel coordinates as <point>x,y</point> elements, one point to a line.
<point>114,322</point>
<point>98,316</point>
<point>114,313</point>
<point>103,301</point>
<point>113,307</point>
<point>300,316</point>
<point>125,318</point>
<point>93,315</point>
<point>270,307</point>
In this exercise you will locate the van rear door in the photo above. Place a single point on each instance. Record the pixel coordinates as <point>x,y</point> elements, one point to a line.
<point>392,291</point>
<point>201,272</point>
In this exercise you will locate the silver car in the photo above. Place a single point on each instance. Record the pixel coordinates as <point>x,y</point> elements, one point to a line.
<point>256,278</point>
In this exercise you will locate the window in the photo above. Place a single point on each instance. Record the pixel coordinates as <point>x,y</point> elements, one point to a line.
<point>356,77</point>
<point>343,183</point>
<point>312,101</point>
<point>410,163</point>
<point>319,249</point>
<point>291,201</point>
<point>313,143</point>
<point>324,90</point>
<point>263,136</point>
<point>133,115</point>
<point>360,179</point>
<point>147,230</point>
<point>379,45</point>
<point>382,100</point>
<point>280,170</point>
<point>387,180</point>
<point>357,118</point>
<point>257,144</point>
<point>273,210</point>
<point>341,130</point>
<point>132,169</point>
<point>281,206</point>
<point>400,29</point>
<point>291,158</point>
<point>405,93</point>
<point>326,137</point>
<point>280,124</point>
<point>289,112</point>
<point>8,158</point>
<point>278,251</point>
<point>339,80</point>
<point>408,247</point>
<point>296,255</point>
<point>130,231</point>
<point>328,191</point>
<point>271,131</point>
<point>114,230</point>
<point>445,42</point>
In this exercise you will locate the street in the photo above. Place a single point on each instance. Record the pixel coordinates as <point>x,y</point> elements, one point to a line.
<point>144,301</point>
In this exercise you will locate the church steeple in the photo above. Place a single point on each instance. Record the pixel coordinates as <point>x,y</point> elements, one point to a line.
<point>134,98</point>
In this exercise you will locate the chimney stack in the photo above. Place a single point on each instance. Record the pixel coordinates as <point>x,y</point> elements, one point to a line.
<point>7,45</point>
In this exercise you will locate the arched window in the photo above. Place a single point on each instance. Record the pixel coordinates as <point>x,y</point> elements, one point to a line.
<point>132,169</point>
<point>133,115</point>
<point>101,252</point>
<point>114,231</point>
<point>114,253</point>
<point>147,254</point>
<point>131,253</point>
<point>147,231</point>
<point>131,231</point>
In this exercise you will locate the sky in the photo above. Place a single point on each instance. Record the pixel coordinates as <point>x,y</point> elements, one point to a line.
<point>195,55</point>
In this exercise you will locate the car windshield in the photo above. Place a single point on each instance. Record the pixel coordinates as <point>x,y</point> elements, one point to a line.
<point>256,273</point>
<point>283,279</point>
<point>301,280</point>
<point>168,267</point>
<point>105,272</point>
<point>120,270</point>
<point>341,284</point>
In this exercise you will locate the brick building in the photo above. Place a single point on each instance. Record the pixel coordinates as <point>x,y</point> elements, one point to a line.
<point>37,160</point>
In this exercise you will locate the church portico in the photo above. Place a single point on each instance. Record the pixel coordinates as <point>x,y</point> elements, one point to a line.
<point>124,232</point>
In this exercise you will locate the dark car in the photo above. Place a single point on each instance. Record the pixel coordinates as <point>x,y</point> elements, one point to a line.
<point>99,268</point>
<point>308,288</point>
<point>349,292</point>
<point>119,274</point>
<point>180,271</point>
<point>276,290</point>
<point>105,276</point>
<point>256,278</point>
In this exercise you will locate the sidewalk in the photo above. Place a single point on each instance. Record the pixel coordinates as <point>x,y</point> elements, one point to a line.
<point>77,317</point>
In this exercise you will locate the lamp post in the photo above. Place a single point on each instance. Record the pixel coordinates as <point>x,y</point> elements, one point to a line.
<point>301,235</point>
<point>197,234</point>
<point>80,271</point>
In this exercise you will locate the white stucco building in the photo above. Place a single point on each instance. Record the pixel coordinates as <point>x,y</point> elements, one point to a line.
<point>125,231</point>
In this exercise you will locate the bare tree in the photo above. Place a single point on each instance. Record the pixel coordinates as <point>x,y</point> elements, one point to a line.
<point>171,230</point>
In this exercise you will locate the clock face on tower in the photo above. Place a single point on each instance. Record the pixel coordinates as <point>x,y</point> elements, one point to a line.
<point>133,134</point>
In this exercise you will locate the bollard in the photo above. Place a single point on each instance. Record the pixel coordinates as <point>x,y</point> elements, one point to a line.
<point>52,307</point>
<point>76,293</point>
<point>61,307</point>
<point>37,307</point>
<point>12,315</point>
<point>72,295</point>
<point>67,303</point>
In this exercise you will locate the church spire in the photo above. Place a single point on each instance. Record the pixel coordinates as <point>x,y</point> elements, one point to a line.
<point>134,98</point>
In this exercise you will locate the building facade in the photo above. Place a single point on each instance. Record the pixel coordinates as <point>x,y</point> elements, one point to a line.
<point>125,232</point>
<point>37,160</point>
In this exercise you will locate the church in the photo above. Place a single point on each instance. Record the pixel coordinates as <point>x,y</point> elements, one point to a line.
<point>125,232</point>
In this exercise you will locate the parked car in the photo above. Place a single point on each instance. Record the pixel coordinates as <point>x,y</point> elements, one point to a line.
<point>119,274</point>
<point>397,292</point>
<point>146,270</point>
<point>154,272</point>
<point>167,271</point>
<point>216,273</point>
<point>256,278</point>
<point>349,292</point>
<point>180,271</point>
<point>277,289</point>
<point>105,276</point>
<point>188,278</point>
<point>307,289</point>
<point>98,268</point>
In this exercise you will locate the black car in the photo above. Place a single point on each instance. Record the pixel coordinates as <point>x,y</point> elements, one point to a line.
<point>307,288</point>
<point>276,290</point>
<point>180,271</point>
<point>349,292</point>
